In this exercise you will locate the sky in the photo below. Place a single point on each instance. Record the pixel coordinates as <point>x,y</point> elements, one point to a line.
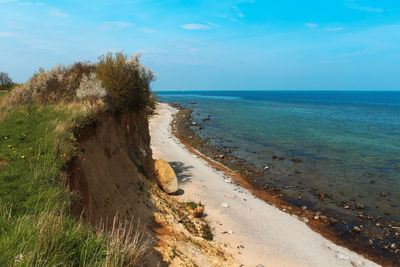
<point>213,45</point>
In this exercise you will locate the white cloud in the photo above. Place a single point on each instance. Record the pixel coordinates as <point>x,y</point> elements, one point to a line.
<point>311,25</point>
<point>352,4</point>
<point>233,14</point>
<point>58,13</point>
<point>7,1</point>
<point>336,29</point>
<point>193,26</point>
<point>114,25</point>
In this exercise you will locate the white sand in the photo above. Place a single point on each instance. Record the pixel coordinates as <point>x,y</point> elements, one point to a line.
<point>269,236</point>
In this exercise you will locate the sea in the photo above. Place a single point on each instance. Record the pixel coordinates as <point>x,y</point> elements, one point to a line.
<point>347,142</point>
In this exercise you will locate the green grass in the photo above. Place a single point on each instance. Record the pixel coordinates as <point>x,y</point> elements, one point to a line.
<point>193,205</point>
<point>2,94</point>
<point>37,227</point>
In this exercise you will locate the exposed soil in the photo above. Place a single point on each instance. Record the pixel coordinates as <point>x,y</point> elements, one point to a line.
<point>112,176</point>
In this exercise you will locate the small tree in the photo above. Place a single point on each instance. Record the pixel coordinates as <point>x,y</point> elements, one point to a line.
<point>5,81</point>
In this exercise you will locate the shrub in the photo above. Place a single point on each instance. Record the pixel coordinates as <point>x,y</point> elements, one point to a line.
<point>49,86</point>
<point>90,86</point>
<point>127,81</point>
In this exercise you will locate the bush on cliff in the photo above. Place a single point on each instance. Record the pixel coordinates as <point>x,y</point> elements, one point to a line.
<point>127,81</point>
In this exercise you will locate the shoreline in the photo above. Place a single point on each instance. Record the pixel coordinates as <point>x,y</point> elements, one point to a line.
<point>294,240</point>
<point>338,229</point>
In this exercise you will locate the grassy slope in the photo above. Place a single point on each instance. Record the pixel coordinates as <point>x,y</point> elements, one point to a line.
<point>36,226</point>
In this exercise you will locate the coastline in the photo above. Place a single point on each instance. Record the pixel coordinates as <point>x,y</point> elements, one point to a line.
<point>272,236</point>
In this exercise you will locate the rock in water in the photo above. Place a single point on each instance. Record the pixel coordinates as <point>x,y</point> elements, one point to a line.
<point>166,177</point>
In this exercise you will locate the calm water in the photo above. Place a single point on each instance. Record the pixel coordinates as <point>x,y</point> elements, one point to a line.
<point>348,142</point>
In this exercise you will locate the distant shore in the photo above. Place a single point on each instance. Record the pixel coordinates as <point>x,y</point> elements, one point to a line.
<point>269,235</point>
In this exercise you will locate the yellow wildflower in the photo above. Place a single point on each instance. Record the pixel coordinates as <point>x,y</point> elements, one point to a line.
<point>5,137</point>
<point>9,146</point>
<point>22,157</point>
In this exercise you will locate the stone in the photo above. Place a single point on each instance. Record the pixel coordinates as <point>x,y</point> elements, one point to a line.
<point>383,194</point>
<point>324,218</point>
<point>304,207</point>
<point>221,156</point>
<point>207,119</point>
<point>260,265</point>
<point>166,177</point>
<point>225,205</point>
<point>229,196</point>
<point>266,168</point>
<point>198,212</point>
<point>356,229</point>
<point>304,219</point>
<point>359,206</point>
<point>296,160</point>
<point>281,157</point>
<point>342,256</point>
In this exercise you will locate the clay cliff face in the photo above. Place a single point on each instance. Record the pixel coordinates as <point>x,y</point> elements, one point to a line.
<point>109,172</point>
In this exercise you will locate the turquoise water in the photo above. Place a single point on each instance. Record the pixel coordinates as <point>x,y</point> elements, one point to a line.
<point>348,142</point>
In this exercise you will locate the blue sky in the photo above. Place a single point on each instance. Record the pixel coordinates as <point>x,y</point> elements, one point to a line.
<point>220,45</point>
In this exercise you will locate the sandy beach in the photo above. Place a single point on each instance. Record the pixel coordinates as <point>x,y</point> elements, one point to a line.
<point>254,231</point>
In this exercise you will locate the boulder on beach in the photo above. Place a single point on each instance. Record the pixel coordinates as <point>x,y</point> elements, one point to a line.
<point>166,177</point>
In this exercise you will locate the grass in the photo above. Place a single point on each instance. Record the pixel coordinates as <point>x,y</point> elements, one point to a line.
<point>192,205</point>
<point>37,227</point>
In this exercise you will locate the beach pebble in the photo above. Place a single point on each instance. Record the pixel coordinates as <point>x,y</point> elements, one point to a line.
<point>266,168</point>
<point>324,218</point>
<point>229,196</point>
<point>260,265</point>
<point>221,156</point>
<point>304,219</point>
<point>342,256</point>
<point>241,246</point>
<point>225,205</point>
<point>228,180</point>
<point>304,207</point>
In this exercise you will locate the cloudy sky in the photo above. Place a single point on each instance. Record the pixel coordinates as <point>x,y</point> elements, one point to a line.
<point>214,45</point>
